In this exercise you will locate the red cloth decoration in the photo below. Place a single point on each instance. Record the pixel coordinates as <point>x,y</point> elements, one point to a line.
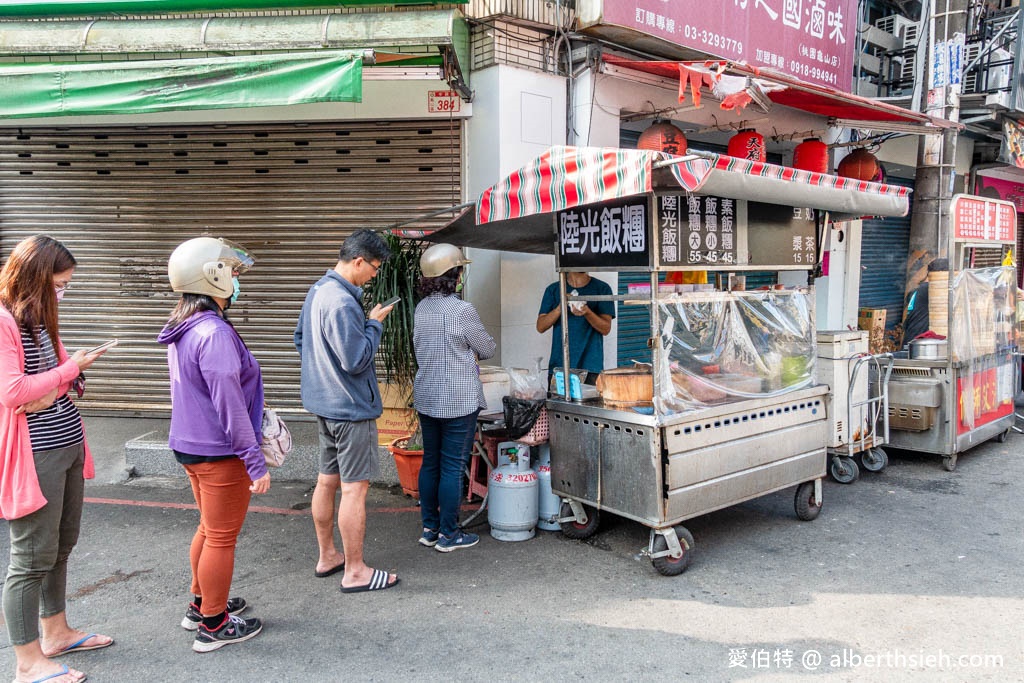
<point>696,80</point>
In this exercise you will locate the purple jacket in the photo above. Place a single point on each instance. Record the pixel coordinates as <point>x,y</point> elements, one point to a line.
<point>216,391</point>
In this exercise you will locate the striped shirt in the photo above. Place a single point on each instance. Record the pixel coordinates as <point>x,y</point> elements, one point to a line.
<point>449,337</point>
<point>58,426</point>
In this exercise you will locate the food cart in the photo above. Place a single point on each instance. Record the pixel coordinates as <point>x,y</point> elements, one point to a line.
<point>734,410</point>
<point>946,397</point>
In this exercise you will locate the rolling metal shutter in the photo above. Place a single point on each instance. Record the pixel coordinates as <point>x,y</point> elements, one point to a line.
<point>122,198</point>
<point>885,245</point>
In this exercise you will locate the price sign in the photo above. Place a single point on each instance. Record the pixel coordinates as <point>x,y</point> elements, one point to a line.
<point>443,102</point>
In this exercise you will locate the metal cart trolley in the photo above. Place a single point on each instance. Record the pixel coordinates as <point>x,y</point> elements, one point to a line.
<point>964,397</point>
<point>859,404</point>
<point>628,210</point>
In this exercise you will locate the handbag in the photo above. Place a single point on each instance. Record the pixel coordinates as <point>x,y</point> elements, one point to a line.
<point>277,440</point>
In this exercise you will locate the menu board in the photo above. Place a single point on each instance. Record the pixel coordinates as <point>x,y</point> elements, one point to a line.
<point>979,219</point>
<point>781,236</point>
<point>612,234</point>
<point>697,230</point>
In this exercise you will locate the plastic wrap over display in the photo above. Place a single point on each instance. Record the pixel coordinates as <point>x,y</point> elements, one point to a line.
<point>982,337</point>
<point>729,346</point>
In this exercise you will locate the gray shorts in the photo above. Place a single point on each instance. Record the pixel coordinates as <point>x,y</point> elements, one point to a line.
<point>349,449</point>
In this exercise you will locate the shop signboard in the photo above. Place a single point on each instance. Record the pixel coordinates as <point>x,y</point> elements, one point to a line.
<point>978,219</point>
<point>810,39</point>
<point>614,234</point>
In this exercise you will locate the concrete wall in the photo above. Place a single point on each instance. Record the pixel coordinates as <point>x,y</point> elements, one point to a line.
<point>518,114</point>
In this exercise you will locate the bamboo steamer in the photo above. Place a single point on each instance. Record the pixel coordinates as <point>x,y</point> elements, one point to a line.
<point>631,386</point>
<point>938,302</point>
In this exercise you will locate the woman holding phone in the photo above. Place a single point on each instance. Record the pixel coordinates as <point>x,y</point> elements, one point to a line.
<point>216,412</point>
<point>44,460</point>
<point>448,338</point>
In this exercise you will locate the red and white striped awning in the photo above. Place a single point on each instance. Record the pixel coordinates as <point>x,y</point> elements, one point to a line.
<point>514,214</point>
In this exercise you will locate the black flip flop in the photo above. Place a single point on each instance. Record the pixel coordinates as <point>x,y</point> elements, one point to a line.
<point>330,572</point>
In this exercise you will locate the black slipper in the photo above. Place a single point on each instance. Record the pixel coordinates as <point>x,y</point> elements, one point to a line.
<point>330,572</point>
<point>378,582</point>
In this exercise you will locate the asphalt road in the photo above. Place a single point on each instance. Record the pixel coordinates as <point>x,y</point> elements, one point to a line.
<point>911,574</point>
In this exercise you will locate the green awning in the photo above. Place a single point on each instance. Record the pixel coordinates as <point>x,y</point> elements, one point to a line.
<point>63,8</point>
<point>140,87</point>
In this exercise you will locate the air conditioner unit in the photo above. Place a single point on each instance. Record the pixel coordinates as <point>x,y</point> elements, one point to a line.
<point>904,29</point>
<point>998,76</point>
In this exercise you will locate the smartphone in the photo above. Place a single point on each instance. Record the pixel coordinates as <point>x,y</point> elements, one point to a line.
<point>391,302</point>
<point>103,347</point>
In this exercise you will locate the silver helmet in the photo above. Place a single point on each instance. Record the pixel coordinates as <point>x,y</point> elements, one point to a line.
<point>440,258</point>
<point>205,265</point>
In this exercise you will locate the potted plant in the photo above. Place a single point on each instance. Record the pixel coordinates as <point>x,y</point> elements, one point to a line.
<point>398,276</point>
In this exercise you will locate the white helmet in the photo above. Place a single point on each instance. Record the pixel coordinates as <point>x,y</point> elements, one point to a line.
<point>440,258</point>
<point>204,265</point>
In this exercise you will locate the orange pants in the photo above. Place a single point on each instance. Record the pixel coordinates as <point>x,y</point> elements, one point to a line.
<point>221,490</point>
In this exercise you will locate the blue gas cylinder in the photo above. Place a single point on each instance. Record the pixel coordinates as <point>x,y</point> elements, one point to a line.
<point>512,498</point>
<point>549,505</point>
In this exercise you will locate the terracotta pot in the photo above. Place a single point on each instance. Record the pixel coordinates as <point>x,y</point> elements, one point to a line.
<point>408,464</point>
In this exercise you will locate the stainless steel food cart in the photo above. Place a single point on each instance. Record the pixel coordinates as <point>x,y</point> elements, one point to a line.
<point>605,210</point>
<point>963,395</point>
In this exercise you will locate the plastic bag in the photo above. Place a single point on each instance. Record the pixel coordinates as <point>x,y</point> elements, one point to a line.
<point>528,384</point>
<point>520,414</point>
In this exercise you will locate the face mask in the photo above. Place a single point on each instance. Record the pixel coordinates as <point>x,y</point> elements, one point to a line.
<point>238,289</point>
<point>60,294</point>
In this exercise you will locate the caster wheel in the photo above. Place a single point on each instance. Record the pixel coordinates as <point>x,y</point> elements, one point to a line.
<point>674,566</point>
<point>844,470</point>
<point>804,502</point>
<point>576,530</point>
<point>949,462</point>
<point>1003,436</point>
<point>874,459</point>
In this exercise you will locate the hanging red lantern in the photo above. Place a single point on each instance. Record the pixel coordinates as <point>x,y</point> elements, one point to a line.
<point>662,136</point>
<point>748,144</point>
<point>811,155</point>
<point>859,164</point>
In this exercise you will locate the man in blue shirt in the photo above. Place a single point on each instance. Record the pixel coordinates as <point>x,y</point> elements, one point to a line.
<point>589,322</point>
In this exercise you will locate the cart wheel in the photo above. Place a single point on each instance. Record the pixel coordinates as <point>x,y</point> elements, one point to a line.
<point>804,502</point>
<point>1003,436</point>
<point>575,529</point>
<point>674,566</point>
<point>949,462</point>
<point>844,469</point>
<point>874,459</point>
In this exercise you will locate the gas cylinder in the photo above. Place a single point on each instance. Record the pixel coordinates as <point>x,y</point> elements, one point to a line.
<point>512,498</point>
<point>548,505</point>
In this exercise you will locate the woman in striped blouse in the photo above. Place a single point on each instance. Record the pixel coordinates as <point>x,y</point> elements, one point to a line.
<point>43,460</point>
<point>448,337</point>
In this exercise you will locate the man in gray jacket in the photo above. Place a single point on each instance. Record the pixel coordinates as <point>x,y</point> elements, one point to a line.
<point>337,343</point>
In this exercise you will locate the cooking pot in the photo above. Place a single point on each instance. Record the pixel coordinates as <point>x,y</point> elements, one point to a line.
<point>928,349</point>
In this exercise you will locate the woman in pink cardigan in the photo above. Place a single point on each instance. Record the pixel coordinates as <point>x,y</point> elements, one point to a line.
<point>43,460</point>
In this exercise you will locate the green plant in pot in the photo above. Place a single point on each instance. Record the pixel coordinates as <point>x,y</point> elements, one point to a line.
<point>398,277</point>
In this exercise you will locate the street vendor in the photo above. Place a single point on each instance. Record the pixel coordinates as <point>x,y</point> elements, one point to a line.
<point>589,322</point>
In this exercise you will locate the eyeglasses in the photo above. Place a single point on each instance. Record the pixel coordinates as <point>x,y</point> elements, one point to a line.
<point>375,267</point>
<point>62,288</point>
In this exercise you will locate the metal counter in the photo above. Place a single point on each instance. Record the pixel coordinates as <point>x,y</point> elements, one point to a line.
<point>925,408</point>
<point>660,471</point>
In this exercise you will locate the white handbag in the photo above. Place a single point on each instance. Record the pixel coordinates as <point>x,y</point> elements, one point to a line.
<point>277,440</point>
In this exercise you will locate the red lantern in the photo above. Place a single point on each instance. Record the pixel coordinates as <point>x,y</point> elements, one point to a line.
<point>859,164</point>
<point>748,144</point>
<point>663,137</point>
<point>811,155</point>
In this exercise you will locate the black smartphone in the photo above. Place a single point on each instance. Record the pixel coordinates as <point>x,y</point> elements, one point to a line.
<point>391,302</point>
